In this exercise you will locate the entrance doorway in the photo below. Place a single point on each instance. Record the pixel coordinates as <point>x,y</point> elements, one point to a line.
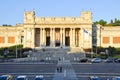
<point>67,41</point>
<point>47,36</point>
<point>48,41</point>
<point>67,37</point>
<point>37,37</point>
<point>57,37</point>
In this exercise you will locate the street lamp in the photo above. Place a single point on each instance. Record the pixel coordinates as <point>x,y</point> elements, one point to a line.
<point>101,28</point>
<point>16,44</point>
<point>16,49</point>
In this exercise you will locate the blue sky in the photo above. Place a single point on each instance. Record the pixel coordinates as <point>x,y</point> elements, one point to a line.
<point>12,10</point>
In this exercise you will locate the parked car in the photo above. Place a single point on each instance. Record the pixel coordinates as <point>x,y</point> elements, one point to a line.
<point>117,60</point>
<point>40,77</point>
<point>94,78</point>
<point>109,60</point>
<point>22,77</point>
<point>84,60</point>
<point>96,60</point>
<point>116,78</point>
<point>6,77</point>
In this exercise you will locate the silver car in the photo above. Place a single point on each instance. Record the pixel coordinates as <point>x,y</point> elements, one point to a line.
<point>94,78</point>
<point>96,60</point>
<point>40,77</point>
<point>116,78</point>
<point>22,77</point>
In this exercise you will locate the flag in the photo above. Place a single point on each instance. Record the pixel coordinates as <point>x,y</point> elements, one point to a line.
<point>86,34</point>
<point>85,31</point>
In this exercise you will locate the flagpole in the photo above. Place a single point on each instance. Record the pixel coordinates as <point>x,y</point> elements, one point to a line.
<point>83,39</point>
<point>91,45</point>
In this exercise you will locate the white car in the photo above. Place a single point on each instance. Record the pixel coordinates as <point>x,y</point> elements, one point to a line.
<point>116,78</point>
<point>96,60</point>
<point>94,78</point>
<point>39,77</point>
<point>22,77</point>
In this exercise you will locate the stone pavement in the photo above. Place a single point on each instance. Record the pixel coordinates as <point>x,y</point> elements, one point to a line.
<point>65,71</point>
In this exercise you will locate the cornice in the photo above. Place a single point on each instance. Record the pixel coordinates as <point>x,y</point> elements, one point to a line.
<point>58,23</point>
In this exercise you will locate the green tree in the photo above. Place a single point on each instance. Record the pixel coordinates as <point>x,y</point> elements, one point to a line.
<point>116,22</point>
<point>111,21</point>
<point>101,22</point>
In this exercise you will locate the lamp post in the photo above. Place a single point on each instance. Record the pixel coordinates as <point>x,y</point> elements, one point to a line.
<point>101,28</point>
<point>100,36</point>
<point>16,49</point>
<point>16,45</point>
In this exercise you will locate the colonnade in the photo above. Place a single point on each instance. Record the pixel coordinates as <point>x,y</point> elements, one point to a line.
<point>71,38</point>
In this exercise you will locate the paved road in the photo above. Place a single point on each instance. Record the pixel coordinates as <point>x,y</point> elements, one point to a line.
<point>27,68</point>
<point>50,68</point>
<point>65,71</point>
<point>82,71</point>
<point>97,68</point>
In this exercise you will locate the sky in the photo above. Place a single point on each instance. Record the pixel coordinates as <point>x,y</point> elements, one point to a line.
<point>12,11</point>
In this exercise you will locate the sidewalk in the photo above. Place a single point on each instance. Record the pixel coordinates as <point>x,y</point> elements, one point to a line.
<point>66,73</point>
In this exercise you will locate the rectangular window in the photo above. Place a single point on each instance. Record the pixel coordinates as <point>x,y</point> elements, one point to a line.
<point>11,39</point>
<point>22,39</point>
<point>116,40</point>
<point>106,40</point>
<point>2,39</point>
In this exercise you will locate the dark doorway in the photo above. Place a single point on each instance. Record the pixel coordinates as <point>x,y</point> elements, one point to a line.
<point>57,43</point>
<point>48,41</point>
<point>47,36</point>
<point>37,37</point>
<point>67,41</point>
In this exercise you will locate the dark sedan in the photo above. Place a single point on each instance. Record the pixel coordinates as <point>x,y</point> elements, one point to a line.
<point>117,60</point>
<point>110,60</point>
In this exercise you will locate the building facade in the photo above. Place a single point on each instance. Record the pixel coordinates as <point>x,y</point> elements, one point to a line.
<point>58,32</point>
<point>108,36</point>
<point>53,32</point>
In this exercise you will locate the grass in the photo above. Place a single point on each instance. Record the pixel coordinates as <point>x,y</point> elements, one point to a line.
<point>1,56</point>
<point>9,56</point>
<point>116,56</point>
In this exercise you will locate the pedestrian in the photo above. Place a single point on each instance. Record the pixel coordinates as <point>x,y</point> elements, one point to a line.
<point>57,69</point>
<point>59,59</point>
<point>61,69</point>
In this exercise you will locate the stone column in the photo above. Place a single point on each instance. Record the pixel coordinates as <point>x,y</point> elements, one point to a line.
<point>82,38</point>
<point>71,38</point>
<point>33,37</point>
<point>53,39</point>
<point>25,37</point>
<point>40,37</point>
<point>63,36</point>
<point>79,38</point>
<point>44,37</point>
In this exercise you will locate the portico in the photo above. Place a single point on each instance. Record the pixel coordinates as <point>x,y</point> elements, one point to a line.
<point>57,31</point>
<point>57,37</point>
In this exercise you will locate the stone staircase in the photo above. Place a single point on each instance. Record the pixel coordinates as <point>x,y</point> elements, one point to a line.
<point>58,53</point>
<point>53,54</point>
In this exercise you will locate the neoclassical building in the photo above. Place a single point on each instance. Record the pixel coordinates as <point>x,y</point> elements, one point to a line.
<point>53,32</point>
<point>59,32</point>
<point>108,36</point>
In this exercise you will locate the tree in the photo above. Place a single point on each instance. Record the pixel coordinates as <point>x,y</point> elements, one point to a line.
<point>101,22</point>
<point>111,21</point>
<point>116,22</point>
